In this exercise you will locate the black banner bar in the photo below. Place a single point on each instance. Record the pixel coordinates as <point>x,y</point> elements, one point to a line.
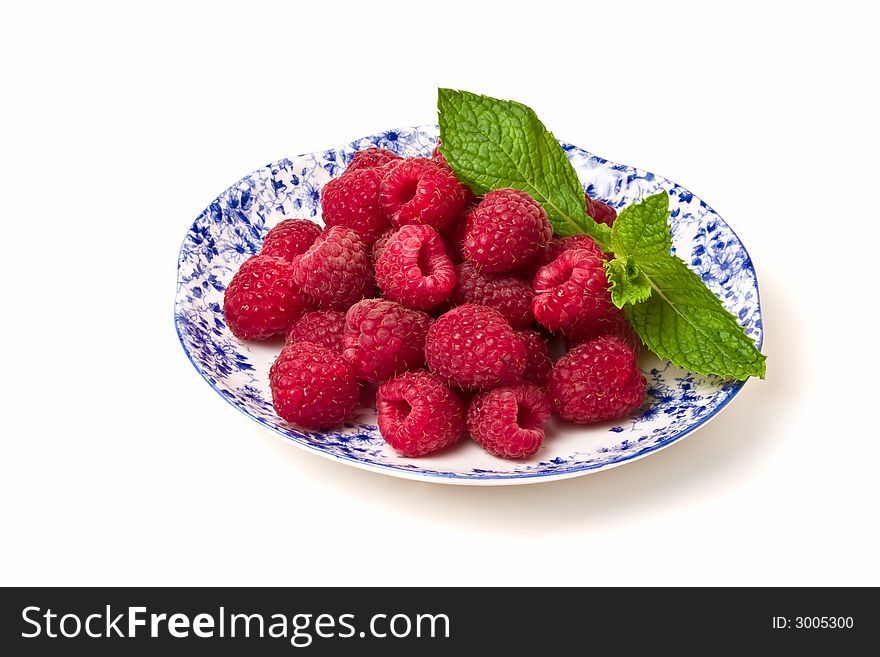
<point>334,621</point>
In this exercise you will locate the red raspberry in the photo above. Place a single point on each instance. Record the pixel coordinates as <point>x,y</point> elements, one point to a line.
<point>506,230</point>
<point>439,159</point>
<point>262,300</point>
<point>382,338</point>
<point>413,268</point>
<point>538,362</point>
<point>371,158</point>
<point>313,386</point>
<point>557,246</point>
<point>596,381</point>
<point>600,212</point>
<point>324,328</point>
<point>474,347</point>
<point>453,236</point>
<point>419,414</point>
<point>585,242</point>
<point>289,238</point>
<point>507,293</point>
<point>335,271</point>
<point>612,322</point>
<point>352,200</point>
<point>380,243</point>
<point>418,191</point>
<point>572,288</point>
<point>509,421</point>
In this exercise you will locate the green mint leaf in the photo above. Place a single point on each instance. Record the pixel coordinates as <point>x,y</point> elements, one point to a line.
<point>679,318</point>
<point>684,322</point>
<point>628,284</point>
<point>641,229</point>
<point>491,144</point>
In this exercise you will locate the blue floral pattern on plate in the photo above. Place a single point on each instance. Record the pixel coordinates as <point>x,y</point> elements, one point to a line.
<point>232,227</point>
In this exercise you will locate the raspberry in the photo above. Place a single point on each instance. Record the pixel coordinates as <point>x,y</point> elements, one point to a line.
<point>419,414</point>
<point>474,347</point>
<point>507,293</point>
<point>413,268</point>
<point>289,238</point>
<point>600,212</point>
<point>596,381</point>
<point>324,328</point>
<point>313,386</point>
<point>538,362</point>
<point>335,271</point>
<point>438,158</point>
<point>509,421</point>
<point>453,235</point>
<point>611,322</point>
<point>554,248</point>
<point>585,242</point>
<point>380,243</point>
<point>383,240</point>
<point>371,158</point>
<point>419,191</point>
<point>573,288</point>
<point>262,300</point>
<point>352,200</point>
<point>382,338</point>
<point>557,246</point>
<point>505,231</point>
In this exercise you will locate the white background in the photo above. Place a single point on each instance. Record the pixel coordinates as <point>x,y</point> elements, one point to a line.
<point>120,466</point>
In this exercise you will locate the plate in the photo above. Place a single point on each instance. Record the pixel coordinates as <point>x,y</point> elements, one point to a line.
<point>232,227</point>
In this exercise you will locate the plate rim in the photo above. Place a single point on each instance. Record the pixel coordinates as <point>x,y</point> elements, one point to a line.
<point>520,478</point>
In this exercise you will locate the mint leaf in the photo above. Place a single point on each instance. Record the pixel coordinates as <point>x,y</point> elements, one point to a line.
<point>641,229</point>
<point>679,319</point>
<point>628,283</point>
<point>685,323</point>
<point>491,144</point>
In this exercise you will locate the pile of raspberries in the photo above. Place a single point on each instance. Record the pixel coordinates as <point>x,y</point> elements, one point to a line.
<point>448,302</point>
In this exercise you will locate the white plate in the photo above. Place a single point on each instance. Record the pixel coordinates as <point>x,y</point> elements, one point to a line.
<point>232,228</point>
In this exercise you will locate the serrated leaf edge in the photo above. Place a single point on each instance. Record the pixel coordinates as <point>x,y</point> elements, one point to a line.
<point>671,358</point>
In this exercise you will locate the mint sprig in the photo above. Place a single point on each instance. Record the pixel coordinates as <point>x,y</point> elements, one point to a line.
<point>680,319</point>
<point>491,144</point>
